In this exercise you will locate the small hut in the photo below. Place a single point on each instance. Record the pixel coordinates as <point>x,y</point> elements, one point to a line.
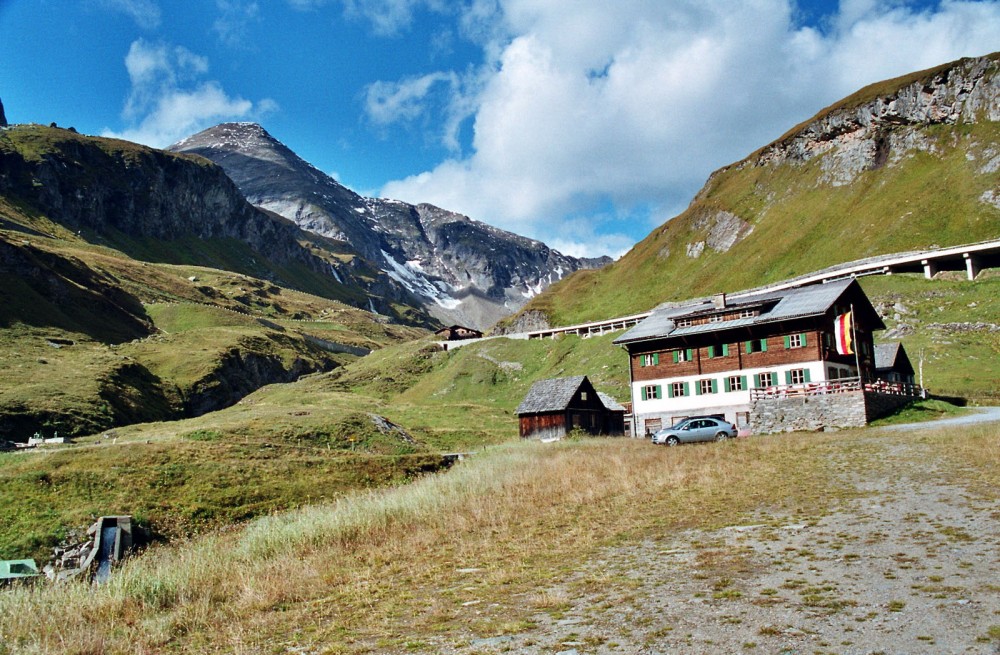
<point>892,364</point>
<point>554,407</point>
<point>458,333</point>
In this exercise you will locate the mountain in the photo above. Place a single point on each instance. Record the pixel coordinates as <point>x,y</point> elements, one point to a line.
<point>464,271</point>
<point>164,207</point>
<point>909,163</point>
<point>140,285</point>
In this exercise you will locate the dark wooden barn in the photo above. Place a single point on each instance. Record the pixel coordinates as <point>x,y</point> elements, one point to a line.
<point>555,407</point>
<point>458,333</point>
<point>892,363</point>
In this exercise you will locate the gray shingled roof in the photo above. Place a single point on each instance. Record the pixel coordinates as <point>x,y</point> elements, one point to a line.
<point>550,395</point>
<point>610,403</point>
<point>799,302</point>
<point>885,354</point>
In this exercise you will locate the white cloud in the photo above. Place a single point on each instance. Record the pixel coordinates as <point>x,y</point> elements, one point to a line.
<point>169,99</point>
<point>145,13</point>
<point>234,20</point>
<point>585,104</point>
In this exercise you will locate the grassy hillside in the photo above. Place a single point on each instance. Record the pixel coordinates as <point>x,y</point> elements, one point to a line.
<point>790,218</point>
<point>457,560</point>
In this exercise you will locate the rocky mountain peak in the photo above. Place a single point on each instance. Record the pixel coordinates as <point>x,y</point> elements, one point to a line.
<point>465,271</point>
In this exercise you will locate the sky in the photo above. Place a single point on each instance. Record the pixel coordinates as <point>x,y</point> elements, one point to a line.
<point>582,123</point>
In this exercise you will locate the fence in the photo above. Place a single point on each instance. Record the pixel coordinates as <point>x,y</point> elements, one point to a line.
<point>842,385</point>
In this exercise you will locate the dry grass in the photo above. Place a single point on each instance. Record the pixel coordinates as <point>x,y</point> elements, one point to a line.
<point>487,536</point>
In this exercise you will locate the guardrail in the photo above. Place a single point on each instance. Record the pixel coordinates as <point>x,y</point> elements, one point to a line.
<point>842,385</point>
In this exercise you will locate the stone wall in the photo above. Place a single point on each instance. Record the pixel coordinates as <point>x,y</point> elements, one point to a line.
<point>821,412</point>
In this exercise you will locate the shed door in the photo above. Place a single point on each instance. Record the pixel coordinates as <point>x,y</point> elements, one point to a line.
<point>652,425</point>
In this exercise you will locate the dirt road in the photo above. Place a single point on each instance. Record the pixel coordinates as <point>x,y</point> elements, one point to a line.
<point>909,566</point>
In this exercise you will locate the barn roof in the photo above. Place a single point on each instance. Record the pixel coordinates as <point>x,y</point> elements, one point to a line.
<point>892,355</point>
<point>551,395</point>
<point>610,403</point>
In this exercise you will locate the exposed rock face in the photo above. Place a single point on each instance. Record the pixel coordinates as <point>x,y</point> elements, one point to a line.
<point>3,116</point>
<point>883,130</point>
<point>464,271</point>
<point>114,188</point>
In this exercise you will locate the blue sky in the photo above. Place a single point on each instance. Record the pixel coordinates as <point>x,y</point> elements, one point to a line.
<point>584,123</point>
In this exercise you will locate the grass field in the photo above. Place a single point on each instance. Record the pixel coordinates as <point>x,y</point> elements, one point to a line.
<point>397,570</point>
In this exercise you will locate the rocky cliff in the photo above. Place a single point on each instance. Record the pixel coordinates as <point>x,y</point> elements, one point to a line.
<point>463,270</point>
<point>154,205</point>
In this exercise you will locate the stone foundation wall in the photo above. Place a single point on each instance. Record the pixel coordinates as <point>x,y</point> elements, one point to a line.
<point>821,412</point>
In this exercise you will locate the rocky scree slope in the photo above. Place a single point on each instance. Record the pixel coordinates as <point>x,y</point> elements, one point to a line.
<point>464,271</point>
<point>905,164</point>
<point>154,205</point>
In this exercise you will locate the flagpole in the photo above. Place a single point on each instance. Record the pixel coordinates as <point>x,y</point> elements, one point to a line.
<point>854,344</point>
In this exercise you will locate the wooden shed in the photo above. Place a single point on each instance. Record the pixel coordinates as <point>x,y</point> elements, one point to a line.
<point>458,333</point>
<point>557,406</point>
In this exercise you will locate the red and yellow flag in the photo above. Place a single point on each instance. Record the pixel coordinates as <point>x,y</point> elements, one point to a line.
<point>842,332</point>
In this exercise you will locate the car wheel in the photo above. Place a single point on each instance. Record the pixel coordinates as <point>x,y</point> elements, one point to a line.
<point>673,441</point>
<point>722,436</point>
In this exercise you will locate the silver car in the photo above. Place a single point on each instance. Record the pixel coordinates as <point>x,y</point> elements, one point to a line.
<point>695,429</point>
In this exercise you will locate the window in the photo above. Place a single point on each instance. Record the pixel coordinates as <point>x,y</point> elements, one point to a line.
<point>832,372</point>
<point>678,389</point>
<point>747,313</point>
<point>756,346</point>
<point>685,322</point>
<point>736,383</point>
<point>583,396</point>
<point>707,386</point>
<point>797,376</point>
<point>652,392</point>
<point>795,340</point>
<point>718,351</point>
<point>683,355</point>
<point>762,380</point>
<point>715,318</point>
<point>651,359</point>
<point>652,425</point>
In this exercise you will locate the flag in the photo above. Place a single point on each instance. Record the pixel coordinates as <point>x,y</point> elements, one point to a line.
<point>842,332</point>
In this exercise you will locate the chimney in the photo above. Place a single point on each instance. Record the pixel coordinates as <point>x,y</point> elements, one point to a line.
<point>719,301</point>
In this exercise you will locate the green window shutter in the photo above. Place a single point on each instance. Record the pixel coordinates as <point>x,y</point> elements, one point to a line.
<point>711,352</point>
<point>756,380</point>
<point>725,350</point>
<point>690,355</point>
<point>763,345</point>
<point>697,388</point>
<point>670,391</point>
<point>659,392</point>
<point>644,393</point>
<point>806,375</point>
<point>728,385</point>
<point>803,335</point>
<point>749,345</point>
<point>788,342</point>
<point>788,377</point>
<point>656,358</point>
<point>642,361</point>
<point>743,382</point>
<point>687,389</point>
<point>677,356</point>
<point>715,386</point>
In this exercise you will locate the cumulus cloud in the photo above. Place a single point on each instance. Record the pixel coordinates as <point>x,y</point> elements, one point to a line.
<point>169,99</point>
<point>145,13</point>
<point>584,105</point>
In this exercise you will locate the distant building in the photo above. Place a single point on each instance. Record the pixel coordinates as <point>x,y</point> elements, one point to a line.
<point>458,333</point>
<point>555,407</point>
<point>892,364</point>
<point>708,356</point>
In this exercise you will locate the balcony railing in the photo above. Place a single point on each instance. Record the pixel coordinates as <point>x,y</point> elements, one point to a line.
<point>843,385</point>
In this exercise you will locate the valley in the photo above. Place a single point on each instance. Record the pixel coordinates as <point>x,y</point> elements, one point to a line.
<point>241,351</point>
